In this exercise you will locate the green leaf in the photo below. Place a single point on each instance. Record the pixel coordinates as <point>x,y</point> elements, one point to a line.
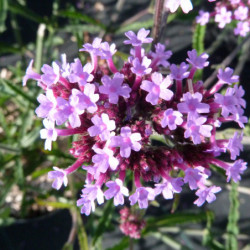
<point>9,149</point>
<point>167,240</point>
<point>29,138</point>
<point>18,91</point>
<point>5,189</point>
<point>5,218</point>
<point>26,12</point>
<point>55,204</point>
<point>81,28</point>
<point>40,172</point>
<point>135,26</point>
<point>3,14</point>
<point>123,244</point>
<point>19,175</point>
<point>173,219</point>
<point>104,221</point>
<point>8,48</point>
<point>79,16</point>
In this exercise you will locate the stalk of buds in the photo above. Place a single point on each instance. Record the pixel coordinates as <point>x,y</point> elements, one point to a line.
<point>116,112</point>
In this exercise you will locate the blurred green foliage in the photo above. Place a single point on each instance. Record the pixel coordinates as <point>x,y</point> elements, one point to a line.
<point>23,161</point>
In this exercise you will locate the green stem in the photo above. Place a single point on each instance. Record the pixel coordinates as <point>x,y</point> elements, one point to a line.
<point>39,46</point>
<point>233,217</point>
<point>159,21</point>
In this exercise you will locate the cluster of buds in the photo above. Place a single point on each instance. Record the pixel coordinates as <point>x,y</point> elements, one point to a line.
<point>131,224</point>
<point>116,113</point>
<point>227,11</point>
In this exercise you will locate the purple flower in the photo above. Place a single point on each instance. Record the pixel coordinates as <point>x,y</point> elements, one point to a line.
<point>139,39</point>
<point>191,105</point>
<point>47,104</point>
<point>241,13</point>
<point>206,194</point>
<point>104,159</point>
<point>64,66</point>
<point>80,101</point>
<point>141,68</point>
<point>49,133</point>
<point>50,75</point>
<point>114,87</point>
<point>102,126</point>
<point>194,177</point>
<point>238,93</point>
<point>196,129</point>
<point>179,73</point>
<point>242,28</point>
<point>169,187</point>
<point>234,171</point>
<point>87,205</point>
<point>227,103</point>
<point>126,141</point>
<point>157,88</point>
<point>107,51</point>
<point>59,176</point>
<point>93,48</point>
<point>116,190</point>
<point>223,17</point>
<point>198,62</point>
<point>93,192</point>
<point>203,17</point>
<point>161,56</point>
<point>142,195</point>
<point>55,109</point>
<point>80,74</point>
<point>239,118</point>
<point>234,145</point>
<point>171,119</point>
<point>173,5</point>
<point>226,76</point>
<point>30,74</point>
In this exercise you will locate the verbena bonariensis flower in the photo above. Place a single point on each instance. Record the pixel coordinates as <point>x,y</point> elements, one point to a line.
<point>227,11</point>
<point>117,112</point>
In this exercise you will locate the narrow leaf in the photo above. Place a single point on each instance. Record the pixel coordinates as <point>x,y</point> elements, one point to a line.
<point>54,204</point>
<point>79,16</point>
<point>104,221</point>
<point>135,26</point>
<point>3,14</point>
<point>167,240</point>
<point>173,219</point>
<point>18,91</point>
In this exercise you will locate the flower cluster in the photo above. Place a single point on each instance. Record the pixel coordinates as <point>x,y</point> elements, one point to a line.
<point>227,11</point>
<point>117,113</point>
<point>131,224</point>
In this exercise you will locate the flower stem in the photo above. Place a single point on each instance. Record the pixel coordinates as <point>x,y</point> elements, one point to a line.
<point>160,18</point>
